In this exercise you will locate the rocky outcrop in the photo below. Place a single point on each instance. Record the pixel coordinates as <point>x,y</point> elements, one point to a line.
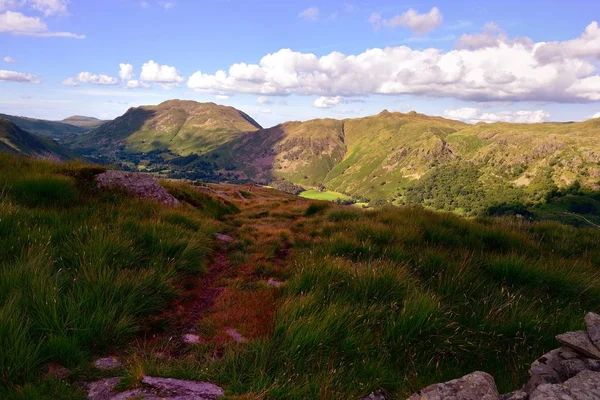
<point>107,363</point>
<point>570,372</point>
<point>155,389</point>
<point>475,386</point>
<point>139,185</point>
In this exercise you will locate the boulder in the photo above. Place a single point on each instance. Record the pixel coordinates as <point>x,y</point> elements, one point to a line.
<point>580,342</point>
<point>592,323</point>
<point>516,395</point>
<point>107,363</point>
<point>475,386</point>
<point>223,238</point>
<point>139,185</point>
<point>584,386</point>
<point>179,387</point>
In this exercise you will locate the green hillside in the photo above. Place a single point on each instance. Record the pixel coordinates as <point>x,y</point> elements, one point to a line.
<point>175,126</point>
<point>40,127</point>
<point>14,140</point>
<point>83,121</point>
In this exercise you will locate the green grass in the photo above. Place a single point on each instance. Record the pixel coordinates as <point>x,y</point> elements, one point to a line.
<point>314,194</point>
<point>81,269</point>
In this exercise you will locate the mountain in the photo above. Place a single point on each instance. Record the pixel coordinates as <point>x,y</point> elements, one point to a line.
<point>83,122</point>
<point>54,129</point>
<point>15,140</point>
<point>175,126</point>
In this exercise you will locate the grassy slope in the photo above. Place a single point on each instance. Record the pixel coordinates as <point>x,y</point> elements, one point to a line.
<point>55,129</point>
<point>314,194</point>
<point>183,127</point>
<point>14,140</point>
<point>81,271</point>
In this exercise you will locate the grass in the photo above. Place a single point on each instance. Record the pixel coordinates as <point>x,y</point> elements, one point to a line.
<point>314,194</point>
<point>392,299</point>
<point>82,270</point>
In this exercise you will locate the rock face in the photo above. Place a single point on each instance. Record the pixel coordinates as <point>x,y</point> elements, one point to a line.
<point>142,186</point>
<point>155,389</point>
<point>584,386</point>
<point>107,363</point>
<point>570,372</point>
<point>475,386</point>
<point>592,323</point>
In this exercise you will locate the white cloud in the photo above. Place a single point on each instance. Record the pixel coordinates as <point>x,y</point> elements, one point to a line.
<point>597,115</point>
<point>492,36</point>
<point>70,82</point>
<point>327,102</point>
<point>167,4</point>
<point>264,100</point>
<point>587,45</point>
<point>309,14</point>
<point>222,97</point>
<point>144,4</point>
<point>47,7</point>
<point>88,77</point>
<point>134,84</point>
<point>162,74</point>
<point>508,70</point>
<point>418,23</point>
<point>9,60</point>
<point>18,24</point>
<point>474,115</point>
<point>125,71</point>
<point>17,77</point>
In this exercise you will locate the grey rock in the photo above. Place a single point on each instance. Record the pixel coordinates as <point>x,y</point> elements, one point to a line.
<point>546,369</point>
<point>191,338</point>
<point>274,282</point>
<point>183,388</point>
<point>224,238</point>
<point>235,335</point>
<point>140,185</point>
<point>592,323</point>
<point>376,395</point>
<point>475,386</point>
<point>580,342</point>
<point>104,389</point>
<point>516,395</point>
<point>107,363</point>
<point>585,386</point>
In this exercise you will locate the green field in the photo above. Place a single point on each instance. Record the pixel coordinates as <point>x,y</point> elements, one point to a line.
<point>314,194</point>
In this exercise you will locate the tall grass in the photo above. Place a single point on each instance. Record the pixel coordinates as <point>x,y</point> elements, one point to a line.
<point>80,268</point>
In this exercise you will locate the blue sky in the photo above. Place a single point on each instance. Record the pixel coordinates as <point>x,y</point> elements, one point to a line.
<point>524,61</point>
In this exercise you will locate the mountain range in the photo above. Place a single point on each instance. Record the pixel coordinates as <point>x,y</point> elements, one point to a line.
<point>395,157</point>
<point>14,140</point>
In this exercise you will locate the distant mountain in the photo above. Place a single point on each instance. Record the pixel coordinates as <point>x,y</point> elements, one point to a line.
<point>83,122</point>
<point>15,140</point>
<point>176,126</point>
<point>54,129</point>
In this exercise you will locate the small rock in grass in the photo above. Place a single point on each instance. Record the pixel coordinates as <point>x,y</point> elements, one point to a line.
<point>191,338</point>
<point>181,388</point>
<point>107,363</point>
<point>274,282</point>
<point>580,342</point>
<point>224,238</point>
<point>475,386</point>
<point>592,323</point>
<point>376,395</point>
<point>235,335</point>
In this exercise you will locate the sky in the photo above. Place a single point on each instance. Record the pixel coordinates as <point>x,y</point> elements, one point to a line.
<point>280,60</point>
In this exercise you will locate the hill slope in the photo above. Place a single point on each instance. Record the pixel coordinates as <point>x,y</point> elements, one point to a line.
<point>180,127</point>
<point>54,129</point>
<point>83,121</point>
<point>15,140</point>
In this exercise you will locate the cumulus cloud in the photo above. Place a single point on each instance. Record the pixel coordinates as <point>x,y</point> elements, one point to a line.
<point>222,97</point>
<point>125,71</point>
<point>88,77</point>
<point>134,84</point>
<point>474,115</point>
<point>264,100</point>
<point>162,74</point>
<point>70,82</point>
<point>9,60</point>
<point>597,115</point>
<point>506,71</point>
<point>492,36</point>
<point>309,14</point>
<point>327,102</point>
<point>19,24</point>
<point>418,23</point>
<point>587,45</point>
<point>47,7</point>
<point>13,76</point>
